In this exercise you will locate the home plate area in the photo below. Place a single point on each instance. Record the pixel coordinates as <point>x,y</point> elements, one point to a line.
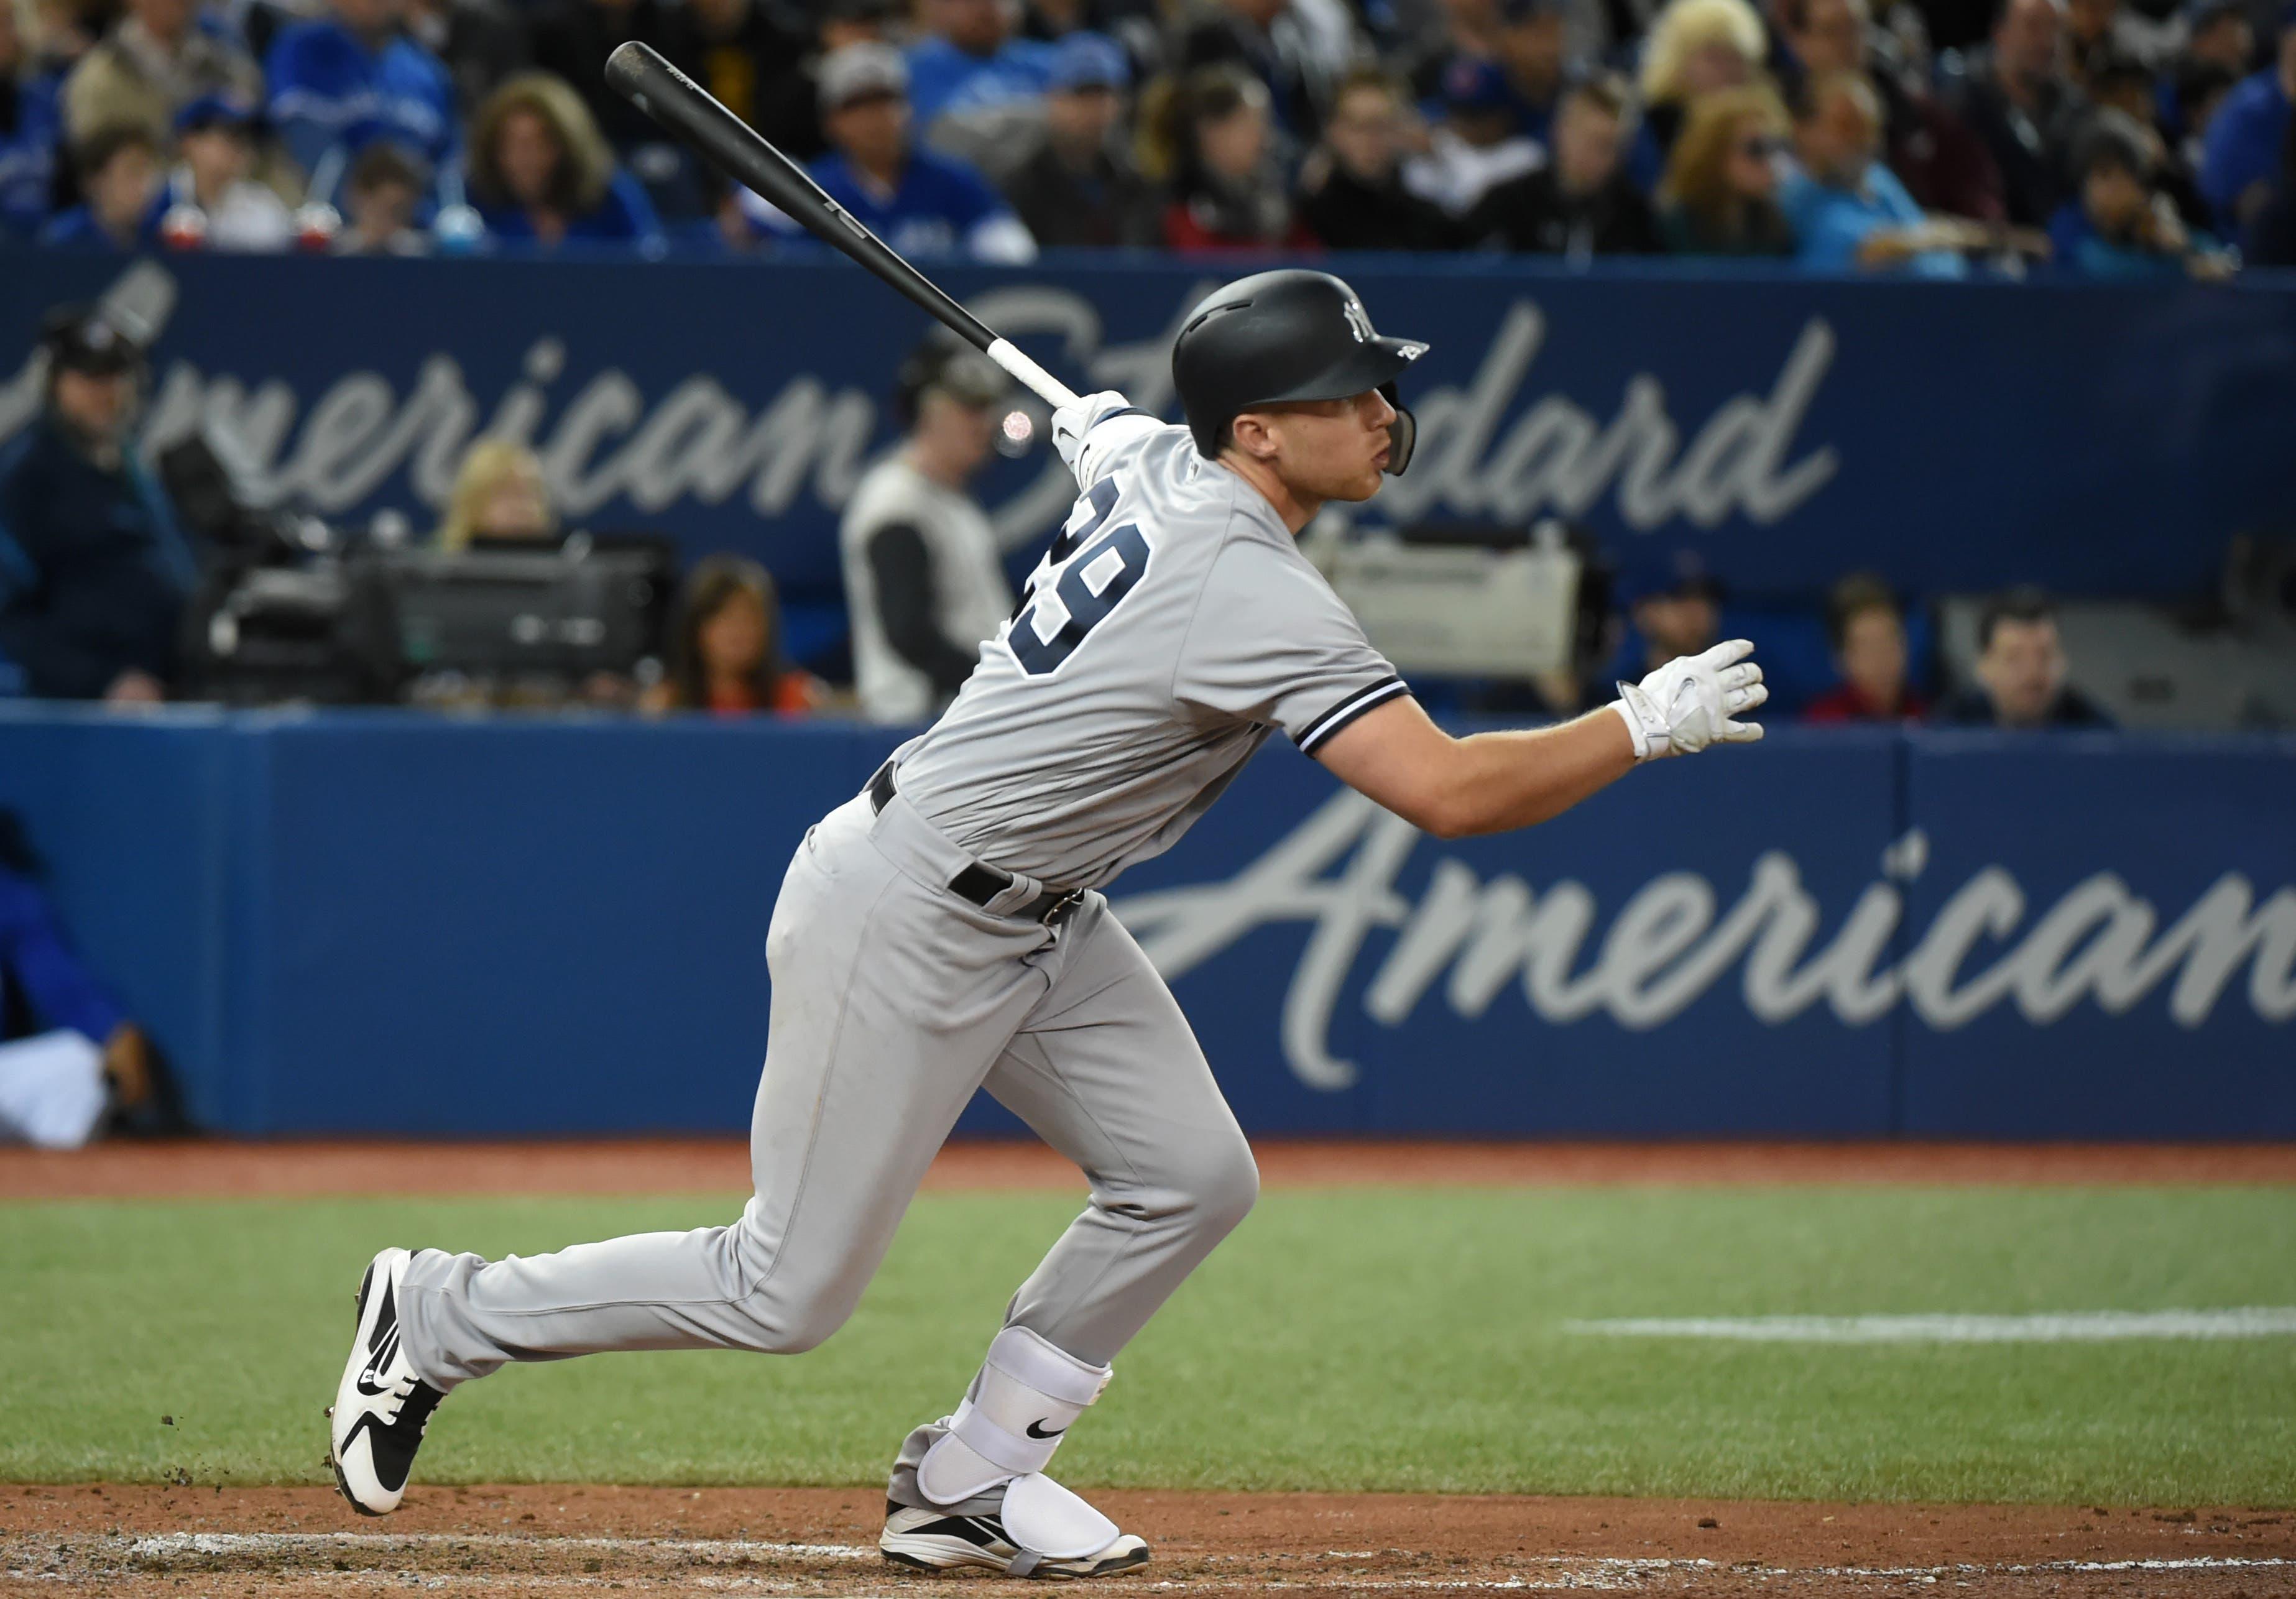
<point>195,1540</point>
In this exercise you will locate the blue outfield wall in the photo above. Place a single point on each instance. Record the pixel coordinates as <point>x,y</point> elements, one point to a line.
<point>382,922</point>
<point>2096,438</point>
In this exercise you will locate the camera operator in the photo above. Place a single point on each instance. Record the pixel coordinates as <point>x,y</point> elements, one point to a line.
<point>94,570</point>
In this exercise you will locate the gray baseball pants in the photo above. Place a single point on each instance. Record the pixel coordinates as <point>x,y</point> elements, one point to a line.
<point>893,999</point>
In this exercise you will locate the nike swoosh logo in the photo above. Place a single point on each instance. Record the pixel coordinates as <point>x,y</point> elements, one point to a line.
<point>1035,1430</point>
<point>367,1384</point>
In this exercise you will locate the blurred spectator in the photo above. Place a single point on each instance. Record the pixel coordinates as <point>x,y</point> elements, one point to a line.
<point>2020,671</point>
<point>1846,209</point>
<point>1532,51</point>
<point>2016,99</point>
<point>1944,166</point>
<point>481,42</point>
<point>2097,31</point>
<point>844,22</point>
<point>1351,192</point>
<point>160,56</point>
<point>919,203</point>
<point>1581,205</point>
<point>2121,225</point>
<point>2242,154</point>
<point>923,577</point>
<point>1719,196</point>
<point>749,54</point>
<point>118,172</point>
<point>1697,48</point>
<point>1296,48</point>
<point>382,194</point>
<point>69,1054</point>
<point>969,61</point>
<point>1867,628</point>
<point>2272,236</point>
<point>541,174</point>
<point>1230,195</point>
<point>94,570</point>
<point>1076,184</point>
<point>2219,33</point>
<point>1480,142</point>
<point>355,75</point>
<point>726,658</point>
<point>500,497</point>
<point>30,133</point>
<point>209,198</point>
<point>1675,612</point>
<point>2189,105</point>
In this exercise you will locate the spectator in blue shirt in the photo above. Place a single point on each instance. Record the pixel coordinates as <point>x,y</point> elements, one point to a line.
<point>2242,154</point>
<point>2121,225</point>
<point>357,70</point>
<point>1848,212</point>
<point>969,62</point>
<point>541,174</point>
<point>31,127</point>
<point>918,203</point>
<point>120,175</point>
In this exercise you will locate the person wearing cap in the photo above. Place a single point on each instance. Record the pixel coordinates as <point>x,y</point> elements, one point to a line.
<point>119,169</point>
<point>1675,609</point>
<point>209,197</point>
<point>2120,226</point>
<point>1351,190</point>
<point>921,203</point>
<point>1581,204</point>
<point>1533,53</point>
<point>157,58</point>
<point>1478,143</point>
<point>968,62</point>
<point>1076,184</point>
<point>2241,156</point>
<point>93,569</point>
<point>358,69</point>
<point>924,579</point>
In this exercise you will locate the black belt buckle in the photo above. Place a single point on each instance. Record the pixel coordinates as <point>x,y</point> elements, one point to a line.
<point>1062,908</point>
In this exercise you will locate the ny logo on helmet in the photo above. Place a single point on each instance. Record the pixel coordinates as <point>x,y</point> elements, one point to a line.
<point>1359,320</point>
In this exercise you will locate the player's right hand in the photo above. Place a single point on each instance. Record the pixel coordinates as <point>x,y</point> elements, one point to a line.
<point>1071,423</point>
<point>1692,700</point>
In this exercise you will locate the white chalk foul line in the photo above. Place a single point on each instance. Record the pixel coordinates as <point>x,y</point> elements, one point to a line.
<point>167,1545</point>
<point>2059,1326</point>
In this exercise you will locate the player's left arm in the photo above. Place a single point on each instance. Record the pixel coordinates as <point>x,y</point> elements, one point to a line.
<point>1090,434</point>
<point>1493,782</point>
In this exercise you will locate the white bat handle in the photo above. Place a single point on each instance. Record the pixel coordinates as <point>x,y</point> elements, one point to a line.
<point>1041,383</point>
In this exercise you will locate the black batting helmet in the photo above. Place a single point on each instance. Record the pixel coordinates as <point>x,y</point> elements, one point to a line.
<point>1288,335</point>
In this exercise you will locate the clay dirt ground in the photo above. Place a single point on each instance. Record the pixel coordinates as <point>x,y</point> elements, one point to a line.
<point>188,1539</point>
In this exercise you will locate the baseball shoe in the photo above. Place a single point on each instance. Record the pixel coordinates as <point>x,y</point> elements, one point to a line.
<point>382,1407</point>
<point>940,1540</point>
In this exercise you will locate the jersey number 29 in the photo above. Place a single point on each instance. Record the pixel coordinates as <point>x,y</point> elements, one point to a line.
<point>1096,570</point>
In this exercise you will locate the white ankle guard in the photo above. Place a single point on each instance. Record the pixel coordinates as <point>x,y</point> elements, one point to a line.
<point>1027,1395</point>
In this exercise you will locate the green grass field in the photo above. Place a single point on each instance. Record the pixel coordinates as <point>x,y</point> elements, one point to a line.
<point>1355,1339</point>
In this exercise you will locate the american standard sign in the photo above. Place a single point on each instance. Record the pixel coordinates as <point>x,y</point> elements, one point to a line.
<point>1472,942</point>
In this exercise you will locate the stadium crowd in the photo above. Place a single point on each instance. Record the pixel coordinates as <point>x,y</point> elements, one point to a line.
<point>2102,137</point>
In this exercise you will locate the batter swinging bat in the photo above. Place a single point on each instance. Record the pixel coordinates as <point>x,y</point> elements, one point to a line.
<point>638,73</point>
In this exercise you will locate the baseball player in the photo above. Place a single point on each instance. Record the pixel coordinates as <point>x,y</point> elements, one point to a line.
<point>943,930</point>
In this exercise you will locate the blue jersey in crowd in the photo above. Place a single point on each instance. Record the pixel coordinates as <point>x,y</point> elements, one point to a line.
<point>77,229</point>
<point>1832,223</point>
<point>30,125</point>
<point>2243,146</point>
<point>943,77</point>
<point>326,82</point>
<point>42,981</point>
<point>623,216</point>
<point>2075,246</point>
<point>935,212</point>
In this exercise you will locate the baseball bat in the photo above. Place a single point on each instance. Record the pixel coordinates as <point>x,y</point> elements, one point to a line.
<point>638,73</point>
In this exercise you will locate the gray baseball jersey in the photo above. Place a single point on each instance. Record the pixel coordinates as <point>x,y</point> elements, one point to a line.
<point>1171,626</point>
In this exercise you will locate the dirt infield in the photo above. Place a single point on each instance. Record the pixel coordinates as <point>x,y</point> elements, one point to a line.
<point>544,1542</point>
<point>663,1165</point>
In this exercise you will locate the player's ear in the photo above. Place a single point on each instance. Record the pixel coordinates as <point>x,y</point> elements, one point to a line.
<point>1253,436</point>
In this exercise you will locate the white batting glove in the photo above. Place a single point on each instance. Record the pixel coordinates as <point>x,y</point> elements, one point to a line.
<point>1689,702</point>
<point>1071,423</point>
